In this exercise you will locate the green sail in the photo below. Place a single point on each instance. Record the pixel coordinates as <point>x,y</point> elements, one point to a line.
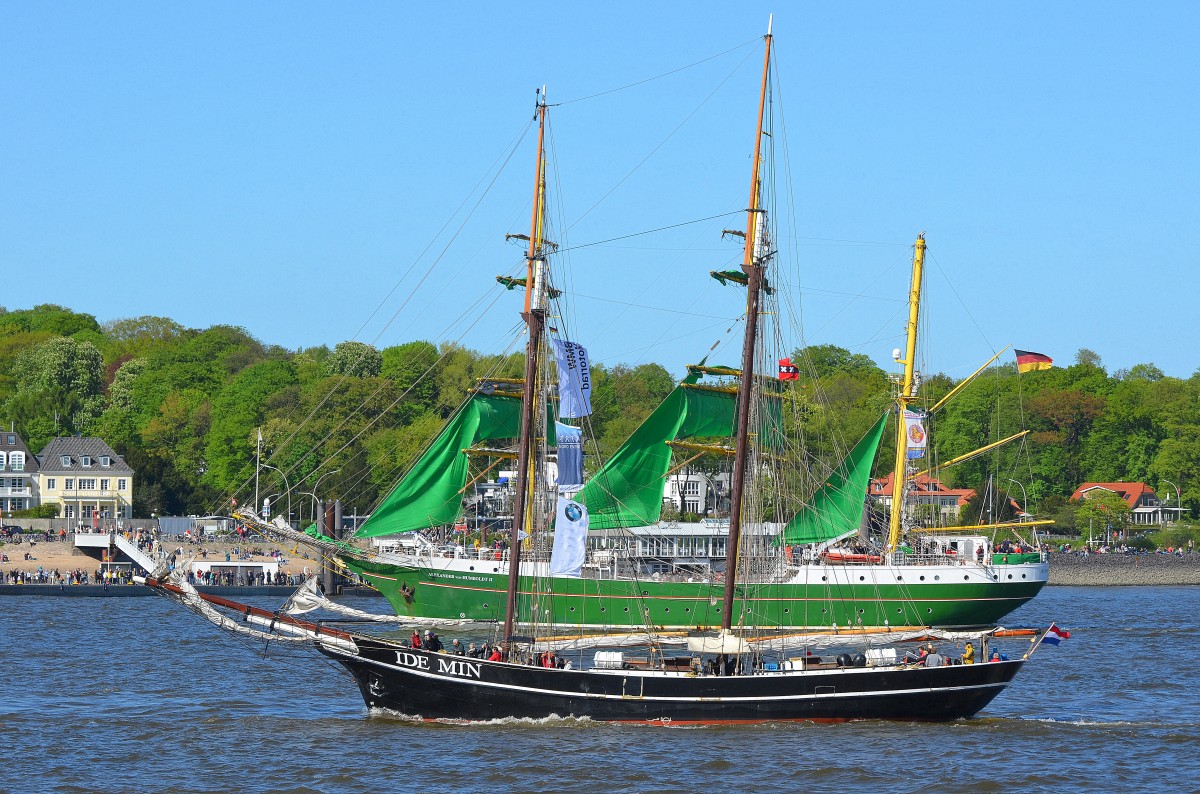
<point>836,509</point>
<point>627,491</point>
<point>429,495</point>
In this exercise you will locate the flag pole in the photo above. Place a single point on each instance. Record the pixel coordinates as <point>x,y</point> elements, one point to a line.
<point>257,467</point>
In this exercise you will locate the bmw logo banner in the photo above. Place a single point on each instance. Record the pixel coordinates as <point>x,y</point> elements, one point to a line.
<point>570,538</point>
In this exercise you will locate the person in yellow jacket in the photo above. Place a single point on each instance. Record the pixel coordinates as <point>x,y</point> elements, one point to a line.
<point>969,654</point>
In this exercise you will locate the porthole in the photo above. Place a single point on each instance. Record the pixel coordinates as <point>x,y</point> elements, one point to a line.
<point>966,578</point>
<point>899,578</point>
<point>937,578</point>
<point>471,568</point>
<point>786,610</point>
<point>922,577</point>
<point>824,579</point>
<point>666,609</point>
<point>996,576</point>
<point>626,609</point>
<point>862,611</point>
<point>687,609</point>
<point>823,610</point>
<point>572,609</point>
<point>928,611</point>
<point>862,578</point>
<point>603,609</point>
<point>899,610</point>
<point>1022,576</point>
<point>485,606</point>
<point>495,570</point>
<point>1010,576</point>
<point>645,593</point>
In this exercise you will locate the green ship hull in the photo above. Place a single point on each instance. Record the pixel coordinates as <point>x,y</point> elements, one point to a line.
<point>852,596</point>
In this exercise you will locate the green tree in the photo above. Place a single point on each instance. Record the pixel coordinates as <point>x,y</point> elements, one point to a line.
<point>821,361</point>
<point>414,369</point>
<point>58,389</point>
<point>1102,513</point>
<point>60,365</point>
<point>1088,358</point>
<point>237,412</point>
<point>139,336</point>
<point>355,360</point>
<point>48,318</point>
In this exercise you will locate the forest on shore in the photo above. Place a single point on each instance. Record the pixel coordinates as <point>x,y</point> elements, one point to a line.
<point>184,408</point>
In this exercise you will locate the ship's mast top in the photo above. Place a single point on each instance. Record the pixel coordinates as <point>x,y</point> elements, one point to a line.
<point>753,260</point>
<point>906,395</point>
<point>535,317</point>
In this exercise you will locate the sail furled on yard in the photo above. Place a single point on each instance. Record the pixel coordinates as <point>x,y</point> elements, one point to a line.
<point>430,494</point>
<point>628,490</point>
<point>836,509</point>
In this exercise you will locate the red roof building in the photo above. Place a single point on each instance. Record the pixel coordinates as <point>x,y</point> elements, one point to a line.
<point>1145,505</point>
<point>925,490</point>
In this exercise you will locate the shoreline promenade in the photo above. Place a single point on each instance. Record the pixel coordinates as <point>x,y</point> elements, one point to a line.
<point>64,557</point>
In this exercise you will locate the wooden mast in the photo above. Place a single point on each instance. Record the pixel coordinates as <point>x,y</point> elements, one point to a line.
<point>906,395</point>
<point>752,264</point>
<point>534,315</point>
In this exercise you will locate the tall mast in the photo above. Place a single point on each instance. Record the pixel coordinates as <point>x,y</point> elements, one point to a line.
<point>752,263</point>
<point>906,395</point>
<point>534,316</point>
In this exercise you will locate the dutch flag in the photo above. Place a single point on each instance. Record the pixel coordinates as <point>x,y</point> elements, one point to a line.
<point>1054,635</point>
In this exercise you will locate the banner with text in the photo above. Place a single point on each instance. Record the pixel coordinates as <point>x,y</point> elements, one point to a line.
<point>574,380</point>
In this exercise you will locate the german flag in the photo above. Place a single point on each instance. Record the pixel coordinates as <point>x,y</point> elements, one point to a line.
<point>1029,362</point>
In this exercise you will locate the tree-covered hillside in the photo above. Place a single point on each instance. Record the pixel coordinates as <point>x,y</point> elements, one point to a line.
<point>184,407</point>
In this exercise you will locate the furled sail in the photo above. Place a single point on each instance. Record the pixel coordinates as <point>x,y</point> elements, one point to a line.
<point>430,494</point>
<point>836,509</point>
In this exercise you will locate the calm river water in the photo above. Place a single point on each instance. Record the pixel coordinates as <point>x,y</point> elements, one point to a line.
<point>139,694</point>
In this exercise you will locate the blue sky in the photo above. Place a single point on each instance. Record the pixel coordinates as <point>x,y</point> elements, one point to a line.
<point>294,168</point>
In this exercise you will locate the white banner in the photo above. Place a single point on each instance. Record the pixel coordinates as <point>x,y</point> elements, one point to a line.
<point>574,380</point>
<point>914,432</point>
<point>570,538</point>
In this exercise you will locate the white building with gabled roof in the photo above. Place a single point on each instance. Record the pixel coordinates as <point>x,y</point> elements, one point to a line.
<point>18,474</point>
<point>86,477</point>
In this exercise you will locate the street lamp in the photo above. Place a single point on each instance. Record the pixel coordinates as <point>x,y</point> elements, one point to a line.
<point>316,501</point>
<point>1178,499</point>
<point>288,488</point>
<point>265,509</point>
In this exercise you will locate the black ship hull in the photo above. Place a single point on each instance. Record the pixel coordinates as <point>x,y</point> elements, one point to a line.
<point>436,686</point>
